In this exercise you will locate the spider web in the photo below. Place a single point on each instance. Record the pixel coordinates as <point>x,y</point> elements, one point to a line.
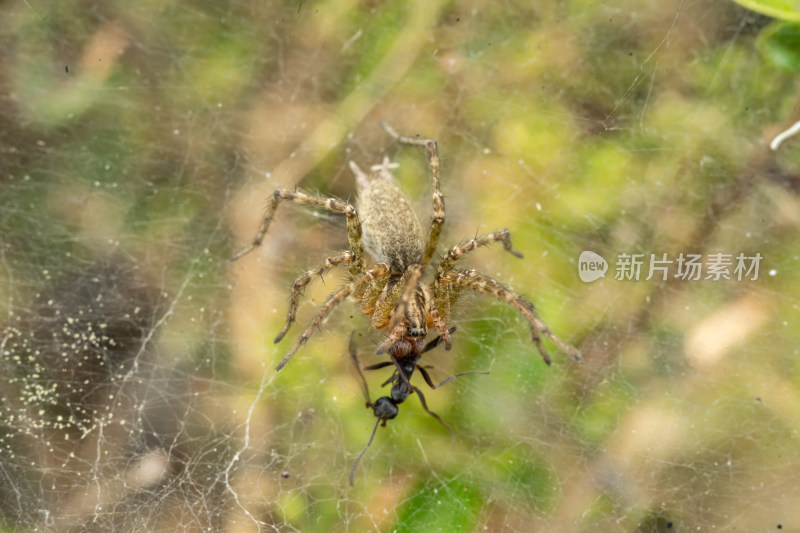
<point>137,390</point>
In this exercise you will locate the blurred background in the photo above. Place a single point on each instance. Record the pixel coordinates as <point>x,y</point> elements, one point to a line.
<point>140,141</point>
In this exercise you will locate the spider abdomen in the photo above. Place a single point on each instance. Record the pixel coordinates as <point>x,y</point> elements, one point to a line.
<point>392,233</point>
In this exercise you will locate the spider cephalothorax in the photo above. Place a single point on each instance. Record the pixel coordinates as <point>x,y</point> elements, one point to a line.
<point>391,291</point>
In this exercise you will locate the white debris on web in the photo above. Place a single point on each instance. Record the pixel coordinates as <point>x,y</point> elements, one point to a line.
<point>786,134</point>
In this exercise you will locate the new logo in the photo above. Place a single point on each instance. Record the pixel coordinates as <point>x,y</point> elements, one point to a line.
<point>591,266</point>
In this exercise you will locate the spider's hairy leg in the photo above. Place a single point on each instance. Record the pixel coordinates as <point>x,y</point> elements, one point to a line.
<point>331,204</point>
<point>479,282</point>
<point>432,151</point>
<point>376,271</point>
<point>371,293</point>
<point>381,307</point>
<point>304,279</point>
<point>455,253</point>
<point>445,295</point>
<point>416,326</point>
<point>441,326</point>
<point>394,336</point>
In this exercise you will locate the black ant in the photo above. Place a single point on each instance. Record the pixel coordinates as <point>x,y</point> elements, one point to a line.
<point>387,407</point>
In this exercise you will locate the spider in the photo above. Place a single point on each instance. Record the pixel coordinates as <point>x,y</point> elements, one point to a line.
<point>390,291</point>
<point>387,407</point>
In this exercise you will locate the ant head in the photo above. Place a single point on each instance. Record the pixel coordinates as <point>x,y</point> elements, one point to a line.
<point>384,408</point>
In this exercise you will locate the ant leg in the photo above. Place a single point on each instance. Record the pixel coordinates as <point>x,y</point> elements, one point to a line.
<point>429,381</point>
<point>434,415</point>
<point>378,366</point>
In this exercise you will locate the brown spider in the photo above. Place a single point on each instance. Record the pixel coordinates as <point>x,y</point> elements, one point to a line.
<point>391,291</point>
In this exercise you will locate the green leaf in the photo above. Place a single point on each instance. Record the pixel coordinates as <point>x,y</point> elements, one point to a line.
<point>449,505</point>
<point>779,43</point>
<point>780,9</point>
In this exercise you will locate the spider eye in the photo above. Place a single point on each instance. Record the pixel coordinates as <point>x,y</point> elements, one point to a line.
<point>384,408</point>
<point>416,330</point>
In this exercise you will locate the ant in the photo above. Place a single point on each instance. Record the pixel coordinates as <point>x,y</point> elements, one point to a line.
<point>387,407</point>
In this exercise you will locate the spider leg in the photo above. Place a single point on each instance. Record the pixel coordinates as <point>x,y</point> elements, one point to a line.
<point>303,280</point>
<point>429,381</point>
<point>439,324</point>
<point>331,204</point>
<point>393,337</point>
<point>444,294</point>
<point>477,281</point>
<point>372,298</point>
<point>379,269</point>
<point>411,278</point>
<point>432,150</point>
<point>455,253</point>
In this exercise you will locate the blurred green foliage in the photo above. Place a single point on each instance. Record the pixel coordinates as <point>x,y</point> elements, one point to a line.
<point>780,45</point>
<point>780,9</point>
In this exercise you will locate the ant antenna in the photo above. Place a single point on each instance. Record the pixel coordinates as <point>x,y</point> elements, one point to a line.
<point>369,442</point>
<point>365,387</point>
